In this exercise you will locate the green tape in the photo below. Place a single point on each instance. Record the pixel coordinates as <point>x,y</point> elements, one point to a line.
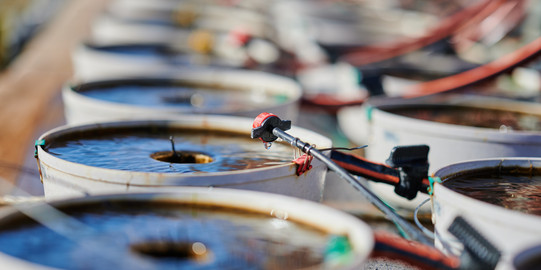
<point>369,110</point>
<point>432,180</point>
<point>358,75</point>
<point>401,231</point>
<point>281,98</point>
<point>36,144</point>
<point>338,250</point>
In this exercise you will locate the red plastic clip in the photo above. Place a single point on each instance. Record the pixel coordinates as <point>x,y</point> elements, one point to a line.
<point>258,121</point>
<point>239,37</point>
<point>303,163</point>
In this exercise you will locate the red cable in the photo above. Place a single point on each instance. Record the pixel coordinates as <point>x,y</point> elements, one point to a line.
<point>449,26</point>
<point>500,20</point>
<point>389,179</point>
<point>464,27</point>
<point>500,65</point>
<point>391,246</point>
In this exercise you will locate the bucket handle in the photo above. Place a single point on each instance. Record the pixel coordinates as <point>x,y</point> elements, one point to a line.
<point>423,229</point>
<point>37,144</point>
<point>427,232</point>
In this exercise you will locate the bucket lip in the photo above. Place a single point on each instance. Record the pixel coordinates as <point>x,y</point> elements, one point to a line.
<point>103,62</point>
<point>93,50</point>
<point>161,7</point>
<point>381,117</point>
<point>238,15</point>
<point>137,178</point>
<point>245,79</point>
<point>487,210</point>
<point>129,45</point>
<point>322,217</point>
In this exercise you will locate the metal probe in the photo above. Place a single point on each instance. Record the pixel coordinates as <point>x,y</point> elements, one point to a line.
<point>268,127</point>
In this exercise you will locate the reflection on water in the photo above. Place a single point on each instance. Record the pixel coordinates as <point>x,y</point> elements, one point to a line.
<point>515,192</point>
<point>183,95</point>
<point>131,150</point>
<point>475,117</point>
<point>231,239</point>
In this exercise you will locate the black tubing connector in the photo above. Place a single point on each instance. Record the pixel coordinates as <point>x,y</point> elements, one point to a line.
<point>263,129</point>
<point>412,164</point>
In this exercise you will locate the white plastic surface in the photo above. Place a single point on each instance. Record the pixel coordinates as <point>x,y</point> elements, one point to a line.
<point>62,178</point>
<point>325,218</point>
<point>510,231</point>
<point>82,109</point>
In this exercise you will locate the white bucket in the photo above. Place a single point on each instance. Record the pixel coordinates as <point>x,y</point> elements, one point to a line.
<point>98,62</point>
<point>62,178</point>
<point>230,46</point>
<point>108,30</point>
<point>255,86</point>
<point>510,231</point>
<point>339,81</point>
<point>449,143</point>
<point>188,15</point>
<point>280,210</point>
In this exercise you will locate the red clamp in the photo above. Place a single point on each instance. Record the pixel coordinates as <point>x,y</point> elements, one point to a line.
<point>303,163</point>
<point>263,125</point>
<point>239,37</point>
<point>258,121</point>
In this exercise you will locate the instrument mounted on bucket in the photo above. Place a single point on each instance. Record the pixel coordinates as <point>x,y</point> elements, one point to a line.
<point>268,127</point>
<point>263,125</point>
<point>407,169</point>
<point>412,165</point>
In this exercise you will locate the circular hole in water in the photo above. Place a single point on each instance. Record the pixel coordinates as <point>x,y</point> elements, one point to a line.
<point>171,249</point>
<point>181,157</point>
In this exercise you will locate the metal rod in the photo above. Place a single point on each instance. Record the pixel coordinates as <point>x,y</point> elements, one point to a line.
<point>412,232</point>
<point>174,152</point>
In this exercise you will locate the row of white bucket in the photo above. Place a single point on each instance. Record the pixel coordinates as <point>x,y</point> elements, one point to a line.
<point>510,231</point>
<point>95,68</point>
<point>383,130</point>
<point>63,179</point>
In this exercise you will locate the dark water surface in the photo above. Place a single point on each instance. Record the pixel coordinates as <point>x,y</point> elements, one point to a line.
<point>177,94</point>
<point>475,117</point>
<point>131,150</point>
<point>132,235</point>
<point>515,192</point>
<point>137,49</point>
